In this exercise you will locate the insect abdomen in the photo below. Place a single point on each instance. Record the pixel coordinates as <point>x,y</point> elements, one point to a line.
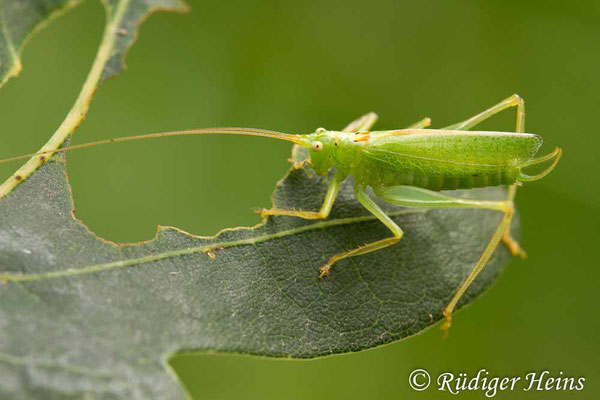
<point>437,181</point>
<point>447,160</point>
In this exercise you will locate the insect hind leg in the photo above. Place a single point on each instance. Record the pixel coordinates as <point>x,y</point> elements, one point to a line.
<point>513,245</point>
<point>410,196</point>
<point>513,101</point>
<point>481,263</point>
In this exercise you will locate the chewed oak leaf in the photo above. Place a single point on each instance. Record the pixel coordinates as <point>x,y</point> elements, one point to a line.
<point>84,316</point>
<point>19,20</point>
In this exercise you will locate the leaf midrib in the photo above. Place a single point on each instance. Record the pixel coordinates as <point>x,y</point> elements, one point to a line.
<point>12,277</point>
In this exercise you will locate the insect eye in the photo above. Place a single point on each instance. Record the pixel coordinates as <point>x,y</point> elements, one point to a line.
<point>317,146</point>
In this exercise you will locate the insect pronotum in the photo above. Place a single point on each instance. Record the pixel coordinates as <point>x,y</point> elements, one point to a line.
<point>409,167</point>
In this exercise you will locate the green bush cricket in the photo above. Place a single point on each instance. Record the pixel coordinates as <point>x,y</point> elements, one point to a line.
<point>408,167</point>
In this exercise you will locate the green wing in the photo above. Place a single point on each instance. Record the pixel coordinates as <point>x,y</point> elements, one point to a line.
<point>461,148</point>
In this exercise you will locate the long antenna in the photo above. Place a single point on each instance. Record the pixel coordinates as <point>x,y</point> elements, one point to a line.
<point>204,131</point>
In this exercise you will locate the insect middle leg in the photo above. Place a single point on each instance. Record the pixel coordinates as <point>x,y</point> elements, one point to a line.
<point>370,205</point>
<point>513,101</point>
<point>332,192</point>
<point>363,123</point>
<point>424,123</point>
<point>409,196</point>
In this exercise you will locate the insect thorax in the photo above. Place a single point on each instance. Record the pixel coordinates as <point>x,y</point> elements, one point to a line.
<point>337,149</point>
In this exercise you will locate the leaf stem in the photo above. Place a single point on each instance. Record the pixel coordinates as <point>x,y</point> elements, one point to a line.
<point>80,109</point>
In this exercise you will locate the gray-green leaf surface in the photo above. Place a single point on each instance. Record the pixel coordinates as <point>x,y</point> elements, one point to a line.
<point>18,20</point>
<point>90,316</point>
<point>81,317</point>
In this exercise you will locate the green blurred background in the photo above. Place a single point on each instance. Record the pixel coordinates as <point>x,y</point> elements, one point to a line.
<point>294,66</point>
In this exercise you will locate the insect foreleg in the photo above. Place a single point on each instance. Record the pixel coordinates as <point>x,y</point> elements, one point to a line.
<point>332,191</point>
<point>409,196</point>
<point>370,205</point>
